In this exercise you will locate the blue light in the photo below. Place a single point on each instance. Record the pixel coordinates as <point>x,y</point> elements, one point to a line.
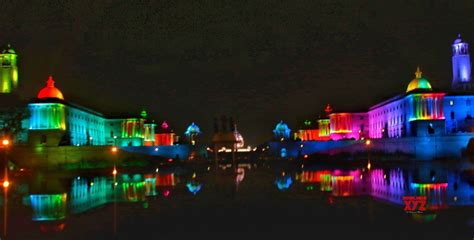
<point>283,183</point>
<point>193,187</point>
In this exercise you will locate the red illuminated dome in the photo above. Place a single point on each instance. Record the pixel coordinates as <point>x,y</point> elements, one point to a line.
<point>50,91</point>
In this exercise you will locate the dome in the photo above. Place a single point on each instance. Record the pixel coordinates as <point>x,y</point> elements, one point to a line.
<point>9,49</point>
<point>281,127</point>
<point>192,129</point>
<point>419,82</point>
<point>164,125</point>
<point>239,139</point>
<point>50,91</point>
<point>458,39</point>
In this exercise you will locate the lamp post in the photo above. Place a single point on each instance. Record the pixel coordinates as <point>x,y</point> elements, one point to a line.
<point>6,184</point>
<point>367,144</point>
<point>114,173</point>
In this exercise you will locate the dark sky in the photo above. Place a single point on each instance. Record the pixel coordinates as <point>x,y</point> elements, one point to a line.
<point>259,61</point>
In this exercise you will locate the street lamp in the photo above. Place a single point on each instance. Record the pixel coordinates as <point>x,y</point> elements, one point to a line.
<point>6,184</point>
<point>368,143</point>
<point>114,173</point>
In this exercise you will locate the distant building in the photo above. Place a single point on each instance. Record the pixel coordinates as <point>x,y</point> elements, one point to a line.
<point>8,70</point>
<point>54,121</point>
<point>192,133</point>
<point>165,136</point>
<point>281,131</point>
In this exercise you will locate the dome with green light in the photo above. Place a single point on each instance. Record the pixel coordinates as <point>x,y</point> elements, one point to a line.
<point>419,82</point>
<point>9,49</point>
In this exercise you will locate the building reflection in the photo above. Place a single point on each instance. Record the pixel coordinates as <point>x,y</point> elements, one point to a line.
<point>48,207</point>
<point>442,188</point>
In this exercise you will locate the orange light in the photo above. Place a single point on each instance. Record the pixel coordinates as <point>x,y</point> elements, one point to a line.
<point>5,142</point>
<point>368,165</point>
<point>6,183</point>
<point>114,172</point>
<point>114,149</point>
<point>306,156</point>
<point>368,142</point>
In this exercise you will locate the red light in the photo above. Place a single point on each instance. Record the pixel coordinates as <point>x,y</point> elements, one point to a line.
<point>306,156</point>
<point>166,193</point>
<point>170,159</point>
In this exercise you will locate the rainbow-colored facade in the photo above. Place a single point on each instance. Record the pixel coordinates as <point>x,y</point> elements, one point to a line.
<point>420,111</point>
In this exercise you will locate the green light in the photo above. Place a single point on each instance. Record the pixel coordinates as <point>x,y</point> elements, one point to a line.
<point>132,128</point>
<point>324,129</point>
<point>8,71</point>
<point>326,182</point>
<point>44,116</point>
<point>48,206</point>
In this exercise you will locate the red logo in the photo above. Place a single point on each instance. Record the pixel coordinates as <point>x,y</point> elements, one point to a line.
<point>415,204</point>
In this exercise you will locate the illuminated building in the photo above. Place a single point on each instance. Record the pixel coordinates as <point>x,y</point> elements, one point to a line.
<point>281,131</point>
<point>418,112</point>
<point>53,121</point>
<point>192,133</point>
<point>165,136</point>
<point>347,125</point>
<point>311,131</point>
<point>8,70</point>
<point>461,65</point>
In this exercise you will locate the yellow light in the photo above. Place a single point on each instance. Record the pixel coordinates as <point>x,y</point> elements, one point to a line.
<point>368,142</point>
<point>5,142</point>
<point>114,149</point>
<point>114,172</point>
<point>368,165</point>
<point>6,183</point>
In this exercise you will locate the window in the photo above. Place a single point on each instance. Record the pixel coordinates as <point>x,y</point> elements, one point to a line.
<point>451,102</point>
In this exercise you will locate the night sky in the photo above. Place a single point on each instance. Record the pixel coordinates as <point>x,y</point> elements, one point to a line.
<point>258,61</point>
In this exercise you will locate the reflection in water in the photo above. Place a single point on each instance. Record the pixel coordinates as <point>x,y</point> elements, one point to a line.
<point>392,185</point>
<point>47,227</point>
<point>239,177</point>
<point>89,193</point>
<point>133,188</point>
<point>442,189</point>
<point>284,181</point>
<point>193,185</point>
<point>435,192</point>
<point>48,206</point>
<point>424,217</point>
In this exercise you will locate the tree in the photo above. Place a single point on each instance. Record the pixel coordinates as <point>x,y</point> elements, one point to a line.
<point>11,120</point>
